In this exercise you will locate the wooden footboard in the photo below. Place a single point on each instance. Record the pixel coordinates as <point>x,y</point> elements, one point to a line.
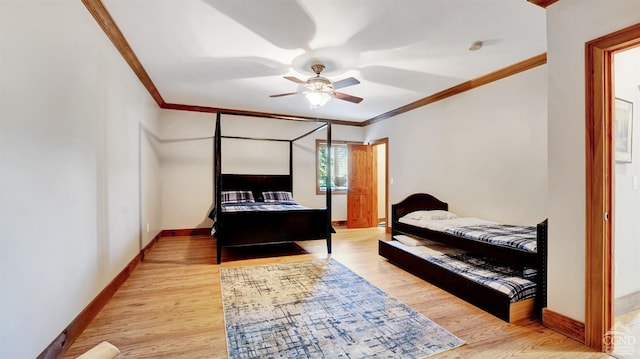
<point>264,227</point>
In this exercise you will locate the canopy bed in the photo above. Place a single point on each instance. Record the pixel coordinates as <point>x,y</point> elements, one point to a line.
<point>258,209</point>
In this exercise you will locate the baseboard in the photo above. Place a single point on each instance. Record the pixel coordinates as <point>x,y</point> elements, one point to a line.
<point>64,340</point>
<point>339,223</point>
<point>185,232</point>
<point>563,325</point>
<point>627,303</point>
<point>150,245</point>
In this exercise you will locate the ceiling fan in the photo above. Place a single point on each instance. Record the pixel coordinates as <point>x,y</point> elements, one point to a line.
<point>320,89</point>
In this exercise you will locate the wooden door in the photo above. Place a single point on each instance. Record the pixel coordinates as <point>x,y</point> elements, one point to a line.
<point>362,206</point>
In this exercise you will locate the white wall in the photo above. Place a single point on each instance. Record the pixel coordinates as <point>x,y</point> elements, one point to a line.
<point>69,168</point>
<point>627,199</point>
<point>187,164</point>
<point>570,24</point>
<point>186,151</point>
<point>483,151</point>
<point>151,188</point>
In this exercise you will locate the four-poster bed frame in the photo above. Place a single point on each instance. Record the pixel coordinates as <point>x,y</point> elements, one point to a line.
<point>264,227</point>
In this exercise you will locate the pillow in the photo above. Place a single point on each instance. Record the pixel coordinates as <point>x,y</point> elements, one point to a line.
<point>277,196</point>
<point>414,215</point>
<point>237,196</point>
<point>432,215</point>
<point>408,241</point>
<point>438,215</point>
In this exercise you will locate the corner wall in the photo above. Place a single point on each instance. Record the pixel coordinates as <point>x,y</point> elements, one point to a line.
<point>570,24</point>
<point>69,168</point>
<point>483,151</point>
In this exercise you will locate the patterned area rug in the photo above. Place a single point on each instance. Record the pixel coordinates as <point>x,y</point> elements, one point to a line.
<point>321,309</point>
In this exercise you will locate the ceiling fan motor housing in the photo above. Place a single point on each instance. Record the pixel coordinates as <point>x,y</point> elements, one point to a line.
<point>319,84</point>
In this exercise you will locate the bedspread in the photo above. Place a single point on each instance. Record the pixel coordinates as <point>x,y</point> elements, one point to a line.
<point>261,206</point>
<point>521,237</point>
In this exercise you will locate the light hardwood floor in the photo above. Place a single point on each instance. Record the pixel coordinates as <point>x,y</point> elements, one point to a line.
<point>171,306</point>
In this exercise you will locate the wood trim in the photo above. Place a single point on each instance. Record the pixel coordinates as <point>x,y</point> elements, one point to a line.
<point>185,232</point>
<point>598,198</point>
<point>150,245</point>
<point>542,3</point>
<point>599,181</point>
<point>523,309</point>
<point>339,223</point>
<point>465,86</point>
<point>108,25</point>
<point>64,340</point>
<point>181,107</point>
<point>563,325</point>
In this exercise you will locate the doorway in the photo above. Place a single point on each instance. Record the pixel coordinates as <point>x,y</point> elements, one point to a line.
<point>625,331</point>
<point>382,150</point>
<point>600,185</point>
<point>367,194</point>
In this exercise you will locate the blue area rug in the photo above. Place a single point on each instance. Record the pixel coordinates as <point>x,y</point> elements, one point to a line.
<point>321,309</point>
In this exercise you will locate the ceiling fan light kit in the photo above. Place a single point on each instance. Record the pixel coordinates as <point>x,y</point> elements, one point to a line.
<point>320,89</point>
<point>317,98</point>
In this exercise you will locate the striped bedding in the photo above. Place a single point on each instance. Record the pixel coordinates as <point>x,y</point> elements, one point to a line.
<point>501,278</point>
<point>261,206</point>
<point>517,284</point>
<point>520,237</point>
<point>253,207</point>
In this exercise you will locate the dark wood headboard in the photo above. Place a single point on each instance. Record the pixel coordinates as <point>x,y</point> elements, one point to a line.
<point>256,183</point>
<point>416,201</point>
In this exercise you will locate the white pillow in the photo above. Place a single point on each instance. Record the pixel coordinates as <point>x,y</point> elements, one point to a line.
<point>438,215</point>
<point>432,215</point>
<point>415,215</point>
<point>408,241</point>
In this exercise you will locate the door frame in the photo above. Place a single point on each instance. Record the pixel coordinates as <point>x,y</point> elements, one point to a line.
<point>385,141</point>
<point>599,181</point>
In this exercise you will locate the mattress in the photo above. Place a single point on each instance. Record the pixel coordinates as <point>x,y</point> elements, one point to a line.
<point>519,237</point>
<point>482,270</point>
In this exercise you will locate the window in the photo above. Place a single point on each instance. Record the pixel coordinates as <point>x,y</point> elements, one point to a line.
<point>339,167</point>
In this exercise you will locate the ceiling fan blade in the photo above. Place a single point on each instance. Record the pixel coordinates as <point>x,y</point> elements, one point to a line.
<point>344,96</point>
<point>345,82</point>
<point>296,80</point>
<point>285,94</point>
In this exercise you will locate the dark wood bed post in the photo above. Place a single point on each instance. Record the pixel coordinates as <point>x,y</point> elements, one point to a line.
<point>217,144</point>
<point>543,245</point>
<point>328,191</point>
<point>291,164</point>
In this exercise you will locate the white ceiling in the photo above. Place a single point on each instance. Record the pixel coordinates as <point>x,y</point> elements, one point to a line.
<point>233,54</point>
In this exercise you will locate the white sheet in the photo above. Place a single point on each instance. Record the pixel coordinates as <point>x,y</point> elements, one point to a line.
<point>442,224</point>
<point>425,248</point>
